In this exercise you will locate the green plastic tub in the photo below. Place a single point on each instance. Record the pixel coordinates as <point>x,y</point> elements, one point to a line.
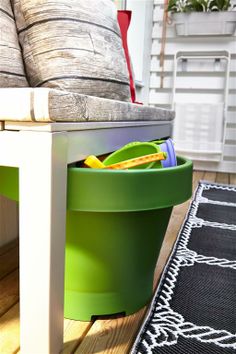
<point>116,222</point>
<point>9,182</point>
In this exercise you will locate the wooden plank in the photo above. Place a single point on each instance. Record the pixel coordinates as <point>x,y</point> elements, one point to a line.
<point>222,178</point>
<point>177,218</point>
<point>8,246</point>
<point>187,95</point>
<point>8,220</point>
<point>209,176</point>
<point>74,333</point>
<point>10,331</point>
<point>230,134</point>
<point>230,151</point>
<point>199,67</point>
<point>113,336</point>
<point>197,176</point>
<point>9,262</point>
<point>223,166</point>
<point>231,117</point>
<point>232,178</point>
<point>176,221</point>
<point>188,80</point>
<point>9,291</point>
<point>174,44</point>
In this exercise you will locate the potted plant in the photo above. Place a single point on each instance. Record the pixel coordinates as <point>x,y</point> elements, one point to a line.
<point>203,17</point>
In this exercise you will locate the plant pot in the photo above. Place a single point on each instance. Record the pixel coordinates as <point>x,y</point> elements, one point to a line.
<point>222,23</point>
<point>116,222</point>
<point>9,182</point>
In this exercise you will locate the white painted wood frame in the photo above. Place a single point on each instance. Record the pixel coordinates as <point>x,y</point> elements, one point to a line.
<point>42,157</point>
<point>198,81</point>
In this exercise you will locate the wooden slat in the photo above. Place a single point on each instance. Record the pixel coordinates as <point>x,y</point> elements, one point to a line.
<point>222,178</point>
<point>113,336</point>
<point>9,246</point>
<point>9,291</point>
<point>173,45</point>
<point>230,151</point>
<point>200,80</point>
<point>230,133</point>
<point>174,226</point>
<point>205,66</point>
<point>8,262</point>
<point>163,96</point>
<point>10,331</point>
<point>74,333</point>
<point>197,176</point>
<point>8,220</point>
<point>176,221</point>
<point>232,178</point>
<point>209,176</point>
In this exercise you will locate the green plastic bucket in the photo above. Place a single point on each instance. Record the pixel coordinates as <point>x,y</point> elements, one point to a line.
<point>116,222</point>
<point>9,182</point>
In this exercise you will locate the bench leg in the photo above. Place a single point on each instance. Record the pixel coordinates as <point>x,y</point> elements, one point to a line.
<point>43,177</point>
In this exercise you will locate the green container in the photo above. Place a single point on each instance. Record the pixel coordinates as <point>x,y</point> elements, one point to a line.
<point>9,182</point>
<point>116,222</point>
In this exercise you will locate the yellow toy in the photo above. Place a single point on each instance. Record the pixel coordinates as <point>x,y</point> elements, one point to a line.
<point>93,162</point>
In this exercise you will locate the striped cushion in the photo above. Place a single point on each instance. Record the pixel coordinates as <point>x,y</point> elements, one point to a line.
<point>73,45</point>
<point>11,64</point>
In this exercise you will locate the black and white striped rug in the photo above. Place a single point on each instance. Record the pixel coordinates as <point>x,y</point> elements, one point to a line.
<point>194,307</point>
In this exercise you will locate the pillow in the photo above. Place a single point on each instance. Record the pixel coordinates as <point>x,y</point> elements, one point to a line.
<point>73,45</point>
<point>11,63</point>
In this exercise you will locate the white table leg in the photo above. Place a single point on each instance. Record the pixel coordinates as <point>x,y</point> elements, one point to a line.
<point>43,176</point>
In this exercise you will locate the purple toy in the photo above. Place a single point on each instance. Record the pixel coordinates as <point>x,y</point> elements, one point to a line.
<point>167,146</point>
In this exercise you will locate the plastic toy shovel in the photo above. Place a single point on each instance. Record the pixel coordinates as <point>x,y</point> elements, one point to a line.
<point>93,162</point>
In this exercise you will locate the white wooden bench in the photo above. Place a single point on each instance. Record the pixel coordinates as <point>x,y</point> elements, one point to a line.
<point>42,131</point>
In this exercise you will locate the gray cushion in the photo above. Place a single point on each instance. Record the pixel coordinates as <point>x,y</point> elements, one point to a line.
<point>11,64</point>
<point>73,45</point>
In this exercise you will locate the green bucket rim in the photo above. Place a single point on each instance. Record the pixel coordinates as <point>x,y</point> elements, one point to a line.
<point>129,190</point>
<point>99,190</point>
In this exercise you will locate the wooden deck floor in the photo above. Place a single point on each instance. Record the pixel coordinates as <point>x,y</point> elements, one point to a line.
<point>109,336</point>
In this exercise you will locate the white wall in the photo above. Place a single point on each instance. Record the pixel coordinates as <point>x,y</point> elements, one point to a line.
<point>195,85</point>
<point>140,42</point>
